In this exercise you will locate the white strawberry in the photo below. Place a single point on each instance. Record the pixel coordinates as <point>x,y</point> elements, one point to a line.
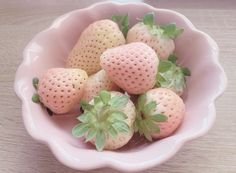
<point>107,121</point>
<point>96,83</point>
<point>159,112</point>
<point>60,89</point>
<point>94,40</point>
<point>160,38</point>
<point>133,67</point>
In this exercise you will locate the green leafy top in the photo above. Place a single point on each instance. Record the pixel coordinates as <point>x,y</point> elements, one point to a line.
<point>172,76</point>
<point>102,118</point>
<point>146,122</point>
<point>171,31</point>
<point>168,31</point>
<point>123,22</point>
<point>148,19</point>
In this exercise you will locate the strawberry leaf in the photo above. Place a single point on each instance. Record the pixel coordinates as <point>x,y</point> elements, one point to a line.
<point>100,140</point>
<point>118,102</point>
<point>160,79</point>
<point>121,126</point>
<point>86,117</point>
<point>112,132</point>
<point>35,98</point>
<point>86,106</point>
<point>136,125</point>
<point>35,82</point>
<point>80,129</point>
<point>97,100</point>
<point>83,118</point>
<point>164,66</point>
<point>149,108</point>
<point>151,126</point>
<point>171,31</point>
<point>148,19</point>
<point>145,131</point>
<point>186,71</point>
<point>105,96</point>
<point>141,102</point>
<point>117,115</point>
<point>123,22</point>
<point>159,118</point>
<point>172,58</point>
<point>91,134</point>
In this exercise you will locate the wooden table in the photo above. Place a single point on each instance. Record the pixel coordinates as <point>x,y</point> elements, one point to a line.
<point>21,20</point>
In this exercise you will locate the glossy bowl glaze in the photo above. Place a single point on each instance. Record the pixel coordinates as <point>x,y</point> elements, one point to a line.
<point>50,48</point>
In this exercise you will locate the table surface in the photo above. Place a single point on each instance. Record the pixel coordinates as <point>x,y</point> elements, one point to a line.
<point>21,20</point>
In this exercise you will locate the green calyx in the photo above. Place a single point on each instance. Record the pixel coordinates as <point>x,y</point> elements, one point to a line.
<point>123,22</point>
<point>172,76</point>
<point>102,118</point>
<point>35,98</point>
<point>168,31</point>
<point>146,122</point>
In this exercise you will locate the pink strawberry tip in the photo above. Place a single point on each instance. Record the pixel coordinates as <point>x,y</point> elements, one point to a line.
<point>170,75</point>
<point>146,122</point>
<point>102,118</point>
<point>123,23</point>
<point>169,31</point>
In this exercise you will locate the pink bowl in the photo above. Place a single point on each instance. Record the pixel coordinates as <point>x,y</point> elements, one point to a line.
<point>49,49</point>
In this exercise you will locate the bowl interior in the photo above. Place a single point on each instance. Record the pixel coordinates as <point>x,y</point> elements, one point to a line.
<point>51,47</point>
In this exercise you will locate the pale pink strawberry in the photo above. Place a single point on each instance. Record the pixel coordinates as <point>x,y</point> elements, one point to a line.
<point>60,89</point>
<point>94,40</point>
<point>133,67</point>
<point>107,121</point>
<point>160,112</point>
<point>96,83</point>
<point>160,38</point>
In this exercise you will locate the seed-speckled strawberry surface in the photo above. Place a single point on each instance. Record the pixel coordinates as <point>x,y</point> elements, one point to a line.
<point>96,83</point>
<point>94,40</point>
<point>133,67</point>
<point>60,89</point>
<point>169,104</point>
<point>162,46</point>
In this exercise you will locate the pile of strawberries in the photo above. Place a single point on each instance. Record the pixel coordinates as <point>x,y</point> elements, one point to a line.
<point>124,80</point>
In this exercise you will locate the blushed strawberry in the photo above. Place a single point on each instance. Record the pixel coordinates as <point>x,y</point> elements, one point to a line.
<point>60,89</point>
<point>133,67</point>
<point>160,38</point>
<point>159,112</point>
<point>171,75</point>
<point>96,83</point>
<point>107,121</point>
<point>94,40</point>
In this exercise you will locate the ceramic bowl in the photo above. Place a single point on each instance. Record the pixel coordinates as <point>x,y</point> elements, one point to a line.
<point>49,48</point>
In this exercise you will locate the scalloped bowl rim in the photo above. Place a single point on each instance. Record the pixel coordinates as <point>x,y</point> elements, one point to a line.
<point>119,165</point>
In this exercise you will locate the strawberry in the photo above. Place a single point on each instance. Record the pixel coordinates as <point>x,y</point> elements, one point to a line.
<point>96,83</point>
<point>94,40</point>
<point>60,89</point>
<point>160,38</point>
<point>171,75</point>
<point>133,67</point>
<point>107,121</point>
<point>159,112</point>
